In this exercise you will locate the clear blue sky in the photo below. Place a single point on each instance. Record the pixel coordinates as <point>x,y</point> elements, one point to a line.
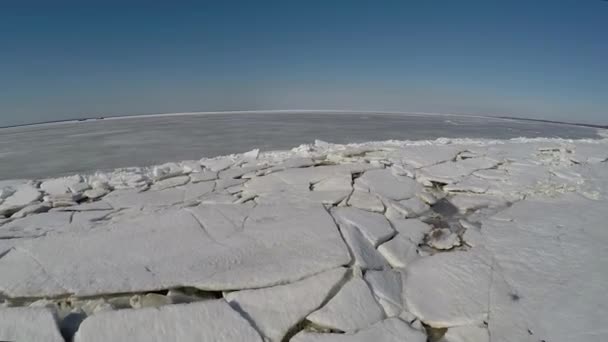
<point>531,58</point>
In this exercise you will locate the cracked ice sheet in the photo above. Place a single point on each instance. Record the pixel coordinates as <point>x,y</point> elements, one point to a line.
<point>38,225</point>
<point>24,195</point>
<point>375,227</point>
<point>278,244</point>
<point>134,198</point>
<point>422,156</point>
<point>469,333</point>
<point>387,286</point>
<point>293,186</point>
<point>28,324</point>
<point>388,330</point>
<point>386,184</point>
<point>451,172</point>
<point>552,256</point>
<point>364,254</point>
<point>275,310</point>
<point>351,309</point>
<point>449,289</point>
<point>202,321</point>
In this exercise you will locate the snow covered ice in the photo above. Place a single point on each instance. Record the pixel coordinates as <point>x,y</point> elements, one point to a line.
<point>446,240</point>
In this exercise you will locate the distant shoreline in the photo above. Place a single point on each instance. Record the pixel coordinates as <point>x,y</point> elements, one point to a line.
<point>555,122</point>
<point>291,111</point>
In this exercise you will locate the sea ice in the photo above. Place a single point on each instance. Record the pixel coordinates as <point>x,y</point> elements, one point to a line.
<point>275,310</point>
<point>202,321</point>
<point>28,324</point>
<point>352,308</point>
<point>388,330</point>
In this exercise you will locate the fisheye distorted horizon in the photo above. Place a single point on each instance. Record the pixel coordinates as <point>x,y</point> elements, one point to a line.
<point>534,59</point>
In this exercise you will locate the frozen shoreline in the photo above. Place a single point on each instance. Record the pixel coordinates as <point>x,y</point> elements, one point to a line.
<point>500,238</point>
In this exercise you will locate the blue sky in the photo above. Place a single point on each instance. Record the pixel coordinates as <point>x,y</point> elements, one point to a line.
<point>540,59</point>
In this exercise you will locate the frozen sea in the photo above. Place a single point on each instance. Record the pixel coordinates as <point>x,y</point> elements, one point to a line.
<point>49,150</point>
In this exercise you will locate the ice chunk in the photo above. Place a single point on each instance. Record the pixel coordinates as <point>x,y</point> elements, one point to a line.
<point>238,172</point>
<point>170,183</point>
<point>375,227</point>
<point>36,225</point>
<point>412,207</point>
<point>24,195</point>
<point>23,276</point>
<point>202,321</point>
<point>196,191</point>
<point>469,202</point>
<point>170,248</point>
<point>92,206</point>
<point>364,254</point>
<point>275,310</point>
<point>443,238</point>
<point>399,252</point>
<point>149,300</point>
<point>389,330</point>
<point>451,172</point>
<point>60,186</point>
<point>469,184</point>
<point>217,164</point>
<point>366,201</point>
<point>166,171</point>
<point>29,324</point>
<point>427,155</point>
<point>461,298</point>
<point>225,183</point>
<point>387,185</point>
<point>203,176</point>
<point>95,193</point>
<point>353,308</point>
<point>220,221</point>
<point>137,199</point>
<point>469,333</point>
<point>386,286</point>
<point>32,209</point>
<point>550,257</point>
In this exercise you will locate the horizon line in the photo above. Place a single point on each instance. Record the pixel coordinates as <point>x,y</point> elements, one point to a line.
<point>291,111</point>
